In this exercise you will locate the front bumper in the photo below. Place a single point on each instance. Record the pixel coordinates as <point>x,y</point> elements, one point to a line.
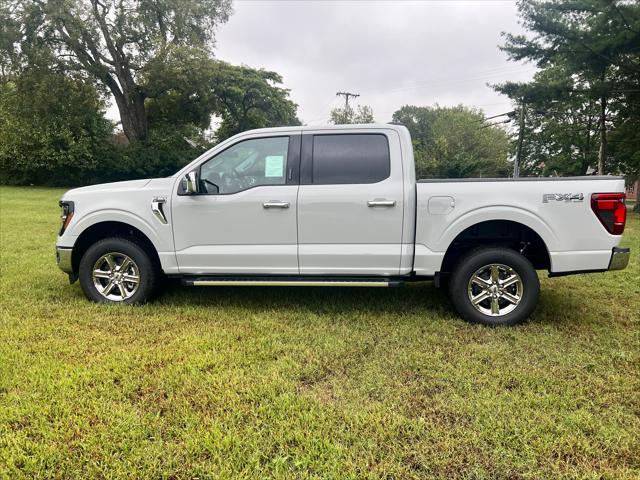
<point>63,259</point>
<point>619,258</point>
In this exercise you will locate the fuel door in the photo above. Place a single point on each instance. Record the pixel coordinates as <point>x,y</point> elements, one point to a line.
<point>441,205</point>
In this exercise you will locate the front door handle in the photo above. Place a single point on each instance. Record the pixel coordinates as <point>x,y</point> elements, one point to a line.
<point>381,203</point>
<point>275,204</point>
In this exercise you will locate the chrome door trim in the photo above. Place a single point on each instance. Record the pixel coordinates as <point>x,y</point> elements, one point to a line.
<point>275,204</point>
<point>381,203</point>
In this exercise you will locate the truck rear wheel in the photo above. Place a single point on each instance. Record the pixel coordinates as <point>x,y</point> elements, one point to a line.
<point>117,270</point>
<point>494,286</point>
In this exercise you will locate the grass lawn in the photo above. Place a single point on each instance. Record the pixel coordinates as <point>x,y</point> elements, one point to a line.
<point>308,383</point>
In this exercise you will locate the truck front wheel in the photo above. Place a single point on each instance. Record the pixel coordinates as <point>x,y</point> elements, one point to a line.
<point>494,286</point>
<point>117,270</point>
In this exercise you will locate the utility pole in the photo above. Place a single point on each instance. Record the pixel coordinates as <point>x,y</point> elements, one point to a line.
<point>602,153</point>
<point>516,164</point>
<point>346,96</point>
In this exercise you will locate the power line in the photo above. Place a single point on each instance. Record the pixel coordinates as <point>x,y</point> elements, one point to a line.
<point>501,115</point>
<point>449,81</point>
<point>328,107</point>
<point>477,75</point>
<point>509,114</point>
<point>495,123</point>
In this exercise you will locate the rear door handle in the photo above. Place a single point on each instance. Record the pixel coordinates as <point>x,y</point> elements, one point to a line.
<point>381,203</point>
<point>275,204</point>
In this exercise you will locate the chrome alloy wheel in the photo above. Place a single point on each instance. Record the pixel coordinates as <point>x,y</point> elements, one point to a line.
<point>495,290</point>
<point>116,276</point>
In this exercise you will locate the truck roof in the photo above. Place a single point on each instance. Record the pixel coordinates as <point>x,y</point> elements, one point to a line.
<point>303,128</point>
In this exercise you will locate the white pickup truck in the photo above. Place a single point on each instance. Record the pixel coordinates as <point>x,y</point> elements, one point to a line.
<point>339,206</point>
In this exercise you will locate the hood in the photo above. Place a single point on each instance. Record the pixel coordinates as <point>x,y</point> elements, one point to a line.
<point>114,187</point>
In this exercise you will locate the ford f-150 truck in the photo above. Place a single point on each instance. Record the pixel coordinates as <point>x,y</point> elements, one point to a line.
<point>339,206</point>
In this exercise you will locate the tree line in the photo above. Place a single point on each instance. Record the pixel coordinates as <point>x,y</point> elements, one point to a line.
<point>582,108</point>
<point>61,60</point>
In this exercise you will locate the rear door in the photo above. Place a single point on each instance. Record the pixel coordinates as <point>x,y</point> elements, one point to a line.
<point>350,203</point>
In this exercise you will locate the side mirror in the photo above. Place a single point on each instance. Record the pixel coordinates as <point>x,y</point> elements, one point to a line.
<point>190,182</point>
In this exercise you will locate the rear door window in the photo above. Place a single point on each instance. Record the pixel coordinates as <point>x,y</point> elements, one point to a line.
<point>350,158</point>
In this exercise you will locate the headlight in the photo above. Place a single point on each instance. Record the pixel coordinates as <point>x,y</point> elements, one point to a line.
<point>66,215</point>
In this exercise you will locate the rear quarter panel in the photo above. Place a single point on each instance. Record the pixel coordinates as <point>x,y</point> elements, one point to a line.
<point>573,235</point>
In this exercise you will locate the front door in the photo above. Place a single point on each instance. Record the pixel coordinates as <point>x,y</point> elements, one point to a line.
<point>350,203</point>
<point>243,221</point>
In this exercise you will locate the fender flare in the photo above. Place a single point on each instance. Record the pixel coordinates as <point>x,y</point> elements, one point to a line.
<point>121,216</point>
<point>497,212</point>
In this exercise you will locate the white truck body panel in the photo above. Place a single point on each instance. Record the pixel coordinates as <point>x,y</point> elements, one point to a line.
<point>330,229</point>
<point>235,234</point>
<point>129,203</point>
<point>338,233</point>
<point>573,235</point>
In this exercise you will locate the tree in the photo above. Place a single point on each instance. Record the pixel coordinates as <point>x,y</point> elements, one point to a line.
<point>561,125</point>
<point>247,98</point>
<point>52,128</point>
<point>154,57</point>
<point>625,142</point>
<point>594,44</point>
<point>343,116</point>
<point>180,88</point>
<point>452,142</point>
<point>114,41</point>
<point>189,87</point>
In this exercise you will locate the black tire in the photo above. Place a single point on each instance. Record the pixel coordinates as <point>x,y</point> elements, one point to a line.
<point>147,273</point>
<point>480,261</point>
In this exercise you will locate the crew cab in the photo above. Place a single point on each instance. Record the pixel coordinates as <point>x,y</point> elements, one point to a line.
<point>339,206</point>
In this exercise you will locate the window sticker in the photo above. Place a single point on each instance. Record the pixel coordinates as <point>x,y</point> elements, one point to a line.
<point>274,166</point>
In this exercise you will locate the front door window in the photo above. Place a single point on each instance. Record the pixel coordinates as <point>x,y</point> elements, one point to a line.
<point>255,162</point>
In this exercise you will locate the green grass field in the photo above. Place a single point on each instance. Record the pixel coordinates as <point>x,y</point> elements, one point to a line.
<point>308,383</point>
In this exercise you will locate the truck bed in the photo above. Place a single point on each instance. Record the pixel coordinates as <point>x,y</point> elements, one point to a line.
<point>520,179</point>
<point>558,209</point>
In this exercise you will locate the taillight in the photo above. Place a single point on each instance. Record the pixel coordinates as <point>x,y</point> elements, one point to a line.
<point>66,215</point>
<point>610,210</point>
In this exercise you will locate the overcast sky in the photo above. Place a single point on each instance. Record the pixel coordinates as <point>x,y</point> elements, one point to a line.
<point>392,53</point>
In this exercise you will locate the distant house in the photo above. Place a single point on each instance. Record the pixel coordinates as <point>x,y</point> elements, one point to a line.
<point>632,190</point>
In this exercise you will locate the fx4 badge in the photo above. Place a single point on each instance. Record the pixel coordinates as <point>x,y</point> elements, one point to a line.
<point>562,197</point>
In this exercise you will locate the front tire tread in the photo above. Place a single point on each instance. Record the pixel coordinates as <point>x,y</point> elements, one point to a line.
<point>149,274</point>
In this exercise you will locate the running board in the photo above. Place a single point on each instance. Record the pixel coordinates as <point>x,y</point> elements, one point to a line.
<point>289,282</point>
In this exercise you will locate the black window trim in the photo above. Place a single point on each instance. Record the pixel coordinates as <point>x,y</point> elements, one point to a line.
<point>306,157</point>
<point>293,163</point>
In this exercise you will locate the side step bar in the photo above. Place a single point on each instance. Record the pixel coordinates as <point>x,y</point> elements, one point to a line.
<point>289,282</point>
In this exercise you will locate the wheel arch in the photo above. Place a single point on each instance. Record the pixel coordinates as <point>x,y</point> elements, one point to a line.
<point>502,233</point>
<point>106,229</point>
